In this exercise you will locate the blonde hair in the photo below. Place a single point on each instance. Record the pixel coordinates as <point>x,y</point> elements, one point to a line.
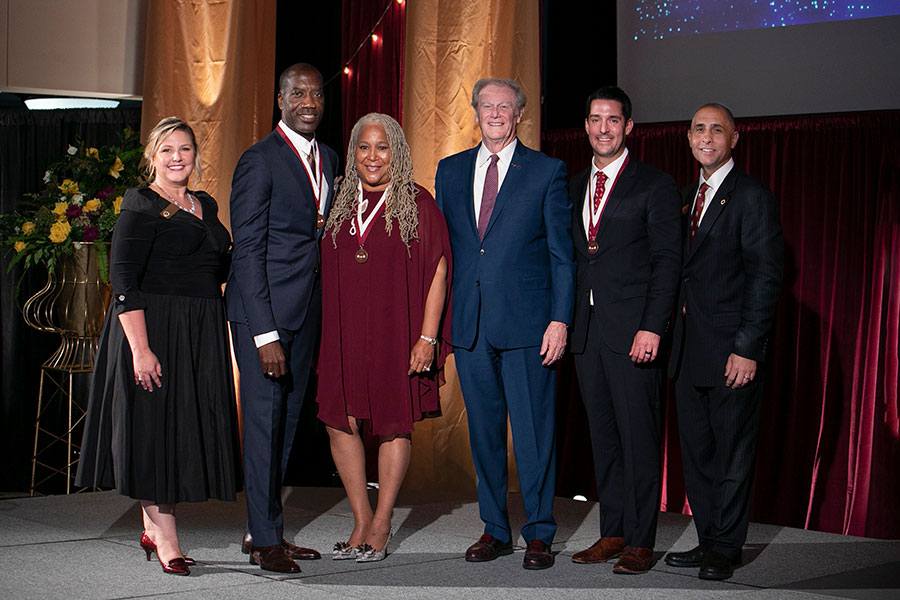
<point>159,134</point>
<point>400,201</point>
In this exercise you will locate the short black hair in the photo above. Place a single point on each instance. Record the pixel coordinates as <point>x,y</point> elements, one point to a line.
<point>609,92</point>
<point>299,67</point>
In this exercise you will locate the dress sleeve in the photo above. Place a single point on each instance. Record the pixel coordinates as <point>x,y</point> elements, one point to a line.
<point>132,244</point>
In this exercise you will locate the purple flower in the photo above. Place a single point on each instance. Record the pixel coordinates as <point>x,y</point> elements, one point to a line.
<point>73,212</point>
<point>90,233</point>
<point>104,193</point>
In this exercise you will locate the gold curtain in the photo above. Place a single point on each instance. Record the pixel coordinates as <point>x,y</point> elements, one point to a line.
<point>450,44</point>
<point>212,63</point>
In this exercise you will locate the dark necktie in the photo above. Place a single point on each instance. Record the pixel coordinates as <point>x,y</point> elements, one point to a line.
<point>698,210</point>
<point>312,160</point>
<point>599,190</point>
<point>488,196</point>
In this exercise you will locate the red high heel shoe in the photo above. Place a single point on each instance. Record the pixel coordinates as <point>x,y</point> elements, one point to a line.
<point>176,566</point>
<point>149,547</point>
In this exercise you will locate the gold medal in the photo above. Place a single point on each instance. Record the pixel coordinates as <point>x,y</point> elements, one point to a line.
<point>361,255</point>
<point>593,247</point>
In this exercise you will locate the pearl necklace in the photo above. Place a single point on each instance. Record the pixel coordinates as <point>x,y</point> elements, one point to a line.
<point>192,209</point>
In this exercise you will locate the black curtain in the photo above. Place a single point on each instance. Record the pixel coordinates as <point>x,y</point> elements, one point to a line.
<point>29,142</point>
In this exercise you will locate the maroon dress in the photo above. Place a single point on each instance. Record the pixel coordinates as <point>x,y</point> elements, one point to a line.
<point>371,319</point>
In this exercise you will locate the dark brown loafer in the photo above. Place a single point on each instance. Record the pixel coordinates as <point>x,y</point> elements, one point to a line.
<point>273,558</point>
<point>487,548</point>
<point>537,555</point>
<point>295,552</point>
<point>634,561</point>
<point>603,549</point>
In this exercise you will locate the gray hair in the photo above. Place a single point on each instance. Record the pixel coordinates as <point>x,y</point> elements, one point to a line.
<point>507,83</point>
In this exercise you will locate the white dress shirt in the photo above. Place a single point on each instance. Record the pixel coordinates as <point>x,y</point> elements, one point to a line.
<point>482,160</point>
<point>611,171</point>
<point>713,182</point>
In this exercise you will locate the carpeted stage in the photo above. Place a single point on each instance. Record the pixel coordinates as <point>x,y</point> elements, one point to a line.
<point>86,546</point>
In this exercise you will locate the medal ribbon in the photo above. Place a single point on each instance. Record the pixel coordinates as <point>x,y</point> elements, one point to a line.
<point>315,179</point>
<point>362,225</point>
<point>595,218</point>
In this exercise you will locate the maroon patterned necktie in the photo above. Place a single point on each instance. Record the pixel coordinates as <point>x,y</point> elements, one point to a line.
<point>488,196</point>
<point>599,190</point>
<point>698,210</point>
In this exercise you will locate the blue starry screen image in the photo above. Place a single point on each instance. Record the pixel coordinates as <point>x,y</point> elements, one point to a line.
<point>652,19</point>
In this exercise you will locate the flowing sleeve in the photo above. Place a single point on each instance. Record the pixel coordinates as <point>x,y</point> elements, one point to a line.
<point>132,243</point>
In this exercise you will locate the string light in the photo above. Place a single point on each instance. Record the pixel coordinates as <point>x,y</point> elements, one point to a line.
<point>374,37</point>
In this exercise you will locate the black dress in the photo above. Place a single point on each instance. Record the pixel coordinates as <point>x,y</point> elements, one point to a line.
<point>178,443</point>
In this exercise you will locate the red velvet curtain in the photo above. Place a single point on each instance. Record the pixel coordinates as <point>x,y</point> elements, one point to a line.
<point>375,81</point>
<point>829,453</point>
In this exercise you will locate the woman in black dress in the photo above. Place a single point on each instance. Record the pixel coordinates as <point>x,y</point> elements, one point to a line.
<point>161,426</point>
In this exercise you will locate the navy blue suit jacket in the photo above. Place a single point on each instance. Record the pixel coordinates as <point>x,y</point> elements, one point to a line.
<point>276,242</point>
<point>522,275</point>
<point>730,280</point>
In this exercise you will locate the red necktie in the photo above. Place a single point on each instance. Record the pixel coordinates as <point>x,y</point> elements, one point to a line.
<point>698,210</point>
<point>599,190</point>
<point>488,196</point>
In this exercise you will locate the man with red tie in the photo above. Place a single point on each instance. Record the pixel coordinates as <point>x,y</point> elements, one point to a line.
<point>626,229</point>
<point>730,280</point>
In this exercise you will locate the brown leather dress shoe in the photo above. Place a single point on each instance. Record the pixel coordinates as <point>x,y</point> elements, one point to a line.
<point>634,561</point>
<point>273,558</point>
<point>603,549</point>
<point>295,552</point>
<point>487,548</point>
<point>537,555</point>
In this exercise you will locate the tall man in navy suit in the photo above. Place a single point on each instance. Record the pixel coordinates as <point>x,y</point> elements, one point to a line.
<point>509,219</point>
<point>731,277</point>
<point>280,195</point>
<point>627,233</point>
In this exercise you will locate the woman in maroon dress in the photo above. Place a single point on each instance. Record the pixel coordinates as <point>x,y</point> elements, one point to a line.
<point>385,269</point>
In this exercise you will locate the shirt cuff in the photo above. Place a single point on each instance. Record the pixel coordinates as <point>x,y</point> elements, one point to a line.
<point>265,338</point>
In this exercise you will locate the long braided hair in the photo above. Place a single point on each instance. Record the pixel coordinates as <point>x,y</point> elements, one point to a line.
<point>400,201</point>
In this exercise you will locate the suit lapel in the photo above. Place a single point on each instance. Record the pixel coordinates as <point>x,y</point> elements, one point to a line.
<point>507,189</point>
<point>580,184</point>
<point>717,205</point>
<point>470,193</point>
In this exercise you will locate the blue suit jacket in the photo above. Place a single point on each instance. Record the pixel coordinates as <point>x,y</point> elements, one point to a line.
<point>276,242</point>
<point>522,276</point>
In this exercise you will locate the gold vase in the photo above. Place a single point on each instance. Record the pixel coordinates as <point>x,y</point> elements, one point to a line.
<point>72,304</point>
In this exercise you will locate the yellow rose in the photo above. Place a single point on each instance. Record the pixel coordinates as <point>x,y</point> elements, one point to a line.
<point>69,187</point>
<point>60,209</point>
<point>92,152</point>
<point>116,168</point>
<point>59,231</point>
<point>117,204</point>
<point>27,227</point>
<point>19,246</point>
<point>91,205</point>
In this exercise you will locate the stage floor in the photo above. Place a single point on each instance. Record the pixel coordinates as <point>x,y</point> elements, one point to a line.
<point>86,546</point>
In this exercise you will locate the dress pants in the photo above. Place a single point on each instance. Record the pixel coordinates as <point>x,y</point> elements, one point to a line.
<point>622,404</point>
<point>495,383</point>
<point>719,430</point>
<point>270,410</point>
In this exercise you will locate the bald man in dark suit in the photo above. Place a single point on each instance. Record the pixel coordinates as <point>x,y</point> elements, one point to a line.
<point>730,282</point>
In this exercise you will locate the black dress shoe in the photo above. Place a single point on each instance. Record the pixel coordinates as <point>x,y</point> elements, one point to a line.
<point>295,552</point>
<point>537,555</point>
<point>716,566</point>
<point>487,548</point>
<point>691,558</point>
<point>273,558</point>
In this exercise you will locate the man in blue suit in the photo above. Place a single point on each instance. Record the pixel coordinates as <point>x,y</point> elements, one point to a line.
<point>509,218</point>
<point>280,195</point>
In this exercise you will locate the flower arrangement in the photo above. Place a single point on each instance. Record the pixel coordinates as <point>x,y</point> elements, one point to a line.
<point>80,203</point>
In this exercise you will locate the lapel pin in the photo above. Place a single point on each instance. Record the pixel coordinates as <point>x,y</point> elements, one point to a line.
<point>722,202</point>
<point>516,166</point>
<point>684,209</point>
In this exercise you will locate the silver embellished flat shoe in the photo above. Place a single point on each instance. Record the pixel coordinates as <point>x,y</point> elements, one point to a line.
<point>368,554</point>
<point>344,551</point>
